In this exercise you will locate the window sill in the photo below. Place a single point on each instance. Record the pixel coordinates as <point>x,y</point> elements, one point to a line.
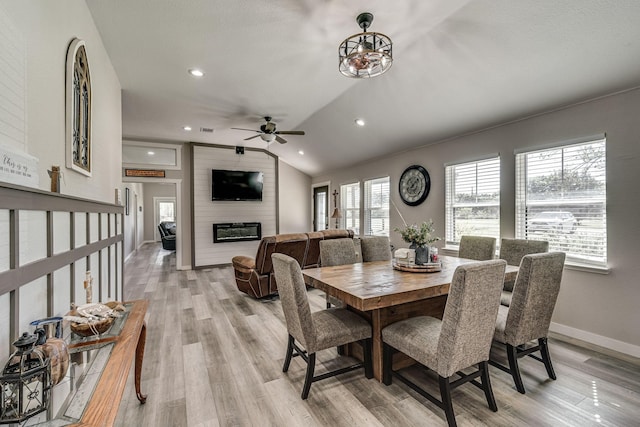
<point>453,251</point>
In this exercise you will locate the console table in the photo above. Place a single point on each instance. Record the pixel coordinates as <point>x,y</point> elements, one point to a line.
<point>96,397</point>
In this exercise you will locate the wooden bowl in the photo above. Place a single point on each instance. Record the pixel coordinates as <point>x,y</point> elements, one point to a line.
<point>96,327</point>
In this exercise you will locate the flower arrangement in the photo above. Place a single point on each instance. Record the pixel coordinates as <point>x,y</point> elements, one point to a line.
<point>419,236</point>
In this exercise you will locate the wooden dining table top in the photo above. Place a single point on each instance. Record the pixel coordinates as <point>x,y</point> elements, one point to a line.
<point>373,285</point>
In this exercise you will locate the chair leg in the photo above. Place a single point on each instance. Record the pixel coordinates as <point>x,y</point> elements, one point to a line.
<point>546,357</point>
<point>308,379</point>
<point>445,396</point>
<point>512,354</point>
<point>486,385</point>
<point>287,359</point>
<point>368,361</point>
<point>387,356</point>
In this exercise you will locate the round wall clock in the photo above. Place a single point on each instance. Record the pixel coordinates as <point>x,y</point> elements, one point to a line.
<point>414,185</point>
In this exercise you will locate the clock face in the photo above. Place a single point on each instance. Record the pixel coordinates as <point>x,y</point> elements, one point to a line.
<point>414,185</point>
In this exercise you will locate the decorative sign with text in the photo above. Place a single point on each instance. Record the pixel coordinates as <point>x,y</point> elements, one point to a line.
<point>17,167</point>
<point>145,173</point>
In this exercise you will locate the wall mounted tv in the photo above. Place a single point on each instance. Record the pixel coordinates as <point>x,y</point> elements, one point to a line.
<point>236,185</point>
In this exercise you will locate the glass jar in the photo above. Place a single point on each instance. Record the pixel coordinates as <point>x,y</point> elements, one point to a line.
<point>433,254</point>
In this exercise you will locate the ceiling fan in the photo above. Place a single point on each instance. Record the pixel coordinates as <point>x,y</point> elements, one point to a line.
<point>268,132</point>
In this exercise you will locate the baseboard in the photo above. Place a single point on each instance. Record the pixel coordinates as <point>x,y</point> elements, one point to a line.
<point>599,340</point>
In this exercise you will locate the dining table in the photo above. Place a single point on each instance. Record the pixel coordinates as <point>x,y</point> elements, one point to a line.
<point>383,295</point>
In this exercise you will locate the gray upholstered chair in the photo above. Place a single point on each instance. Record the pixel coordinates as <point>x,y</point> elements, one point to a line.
<point>479,248</point>
<point>460,340</point>
<point>512,251</point>
<point>528,317</point>
<point>337,252</point>
<point>375,248</point>
<point>319,330</point>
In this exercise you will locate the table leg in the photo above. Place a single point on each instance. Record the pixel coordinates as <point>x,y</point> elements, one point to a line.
<point>139,356</point>
<point>376,343</point>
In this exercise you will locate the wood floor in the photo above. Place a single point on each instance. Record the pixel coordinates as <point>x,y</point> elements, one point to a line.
<point>214,357</point>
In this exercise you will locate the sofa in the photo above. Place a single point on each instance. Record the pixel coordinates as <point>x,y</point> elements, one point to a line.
<point>254,276</point>
<point>168,235</point>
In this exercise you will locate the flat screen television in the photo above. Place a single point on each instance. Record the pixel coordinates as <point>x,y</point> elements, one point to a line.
<point>236,185</point>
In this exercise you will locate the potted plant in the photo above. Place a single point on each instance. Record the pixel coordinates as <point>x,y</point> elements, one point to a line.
<point>420,238</point>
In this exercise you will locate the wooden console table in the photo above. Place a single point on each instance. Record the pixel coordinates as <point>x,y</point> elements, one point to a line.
<point>105,400</point>
<point>96,402</point>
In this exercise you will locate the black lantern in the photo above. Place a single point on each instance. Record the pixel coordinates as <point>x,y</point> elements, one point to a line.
<point>24,384</point>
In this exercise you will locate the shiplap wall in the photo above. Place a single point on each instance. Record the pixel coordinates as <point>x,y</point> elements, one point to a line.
<point>12,85</point>
<point>207,212</point>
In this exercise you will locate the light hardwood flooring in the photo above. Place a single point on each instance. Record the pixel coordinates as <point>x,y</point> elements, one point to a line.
<point>214,357</point>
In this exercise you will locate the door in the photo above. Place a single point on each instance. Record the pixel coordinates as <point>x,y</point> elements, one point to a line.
<point>164,210</point>
<point>321,208</point>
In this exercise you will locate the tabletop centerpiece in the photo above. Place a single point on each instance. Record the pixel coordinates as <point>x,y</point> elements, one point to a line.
<point>420,237</point>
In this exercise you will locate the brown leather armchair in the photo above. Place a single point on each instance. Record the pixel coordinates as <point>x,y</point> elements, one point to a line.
<point>254,276</point>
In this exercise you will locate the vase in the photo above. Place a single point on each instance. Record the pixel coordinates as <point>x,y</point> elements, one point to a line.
<point>422,255</point>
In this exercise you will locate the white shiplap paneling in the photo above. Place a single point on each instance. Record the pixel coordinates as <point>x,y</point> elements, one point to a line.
<point>12,85</point>
<point>208,212</point>
<point>33,303</point>
<point>61,297</point>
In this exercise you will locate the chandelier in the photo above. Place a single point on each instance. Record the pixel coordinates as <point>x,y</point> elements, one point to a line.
<point>365,54</point>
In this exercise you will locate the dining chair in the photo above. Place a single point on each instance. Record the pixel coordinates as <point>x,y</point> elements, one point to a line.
<point>375,248</point>
<point>460,340</point>
<point>528,317</point>
<point>479,248</point>
<point>512,251</point>
<point>337,252</point>
<point>318,330</point>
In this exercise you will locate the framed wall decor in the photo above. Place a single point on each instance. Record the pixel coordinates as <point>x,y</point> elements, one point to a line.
<point>126,201</point>
<point>78,109</point>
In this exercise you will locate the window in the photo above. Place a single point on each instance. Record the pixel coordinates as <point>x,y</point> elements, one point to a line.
<point>376,207</point>
<point>78,109</point>
<point>472,200</point>
<point>561,197</point>
<point>350,202</point>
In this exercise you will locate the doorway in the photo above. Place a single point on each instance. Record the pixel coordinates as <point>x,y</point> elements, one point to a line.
<point>321,208</point>
<point>164,209</point>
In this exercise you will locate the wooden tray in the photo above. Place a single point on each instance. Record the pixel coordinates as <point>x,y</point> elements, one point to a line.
<point>432,267</point>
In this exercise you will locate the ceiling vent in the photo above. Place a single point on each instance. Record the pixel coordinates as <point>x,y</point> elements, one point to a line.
<point>206,130</point>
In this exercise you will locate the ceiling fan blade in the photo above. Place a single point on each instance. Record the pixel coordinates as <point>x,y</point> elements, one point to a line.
<point>251,137</point>
<point>250,130</point>
<point>281,140</point>
<point>290,132</point>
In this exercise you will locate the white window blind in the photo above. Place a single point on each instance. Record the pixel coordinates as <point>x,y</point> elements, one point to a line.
<point>472,200</point>
<point>561,197</point>
<point>350,204</point>
<point>376,207</point>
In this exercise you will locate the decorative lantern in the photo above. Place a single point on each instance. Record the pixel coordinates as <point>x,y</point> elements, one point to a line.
<point>24,384</point>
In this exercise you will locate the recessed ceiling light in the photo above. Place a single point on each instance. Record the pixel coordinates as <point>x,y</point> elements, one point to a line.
<point>360,122</point>
<point>301,152</point>
<point>151,153</point>
<point>195,72</point>
<point>187,128</point>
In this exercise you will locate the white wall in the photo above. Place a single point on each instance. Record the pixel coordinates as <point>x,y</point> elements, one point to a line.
<point>47,28</point>
<point>134,222</point>
<point>599,308</point>
<point>208,212</point>
<point>294,206</point>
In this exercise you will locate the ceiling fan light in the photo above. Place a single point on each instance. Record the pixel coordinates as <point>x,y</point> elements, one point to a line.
<point>365,54</point>
<point>268,137</point>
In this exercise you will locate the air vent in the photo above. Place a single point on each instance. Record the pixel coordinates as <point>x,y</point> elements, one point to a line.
<point>206,130</point>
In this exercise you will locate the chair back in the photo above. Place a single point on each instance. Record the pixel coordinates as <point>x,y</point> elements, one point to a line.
<point>534,297</point>
<point>470,316</point>
<point>479,248</point>
<point>294,300</point>
<point>337,252</point>
<point>375,248</point>
<point>512,250</point>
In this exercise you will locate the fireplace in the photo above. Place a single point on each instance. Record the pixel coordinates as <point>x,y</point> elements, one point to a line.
<point>236,232</point>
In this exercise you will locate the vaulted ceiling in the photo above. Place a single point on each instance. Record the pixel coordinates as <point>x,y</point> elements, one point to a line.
<point>459,66</point>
